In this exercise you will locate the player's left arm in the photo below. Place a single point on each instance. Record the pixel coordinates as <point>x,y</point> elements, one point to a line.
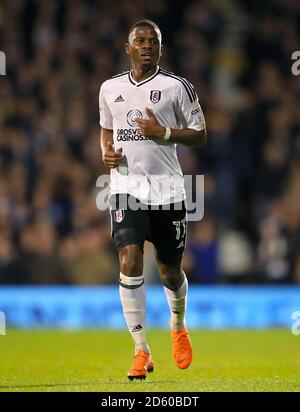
<point>152,129</point>
<point>189,137</point>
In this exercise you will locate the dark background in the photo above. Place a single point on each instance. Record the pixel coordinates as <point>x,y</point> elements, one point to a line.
<point>237,54</point>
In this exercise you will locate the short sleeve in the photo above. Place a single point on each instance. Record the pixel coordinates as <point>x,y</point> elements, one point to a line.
<point>188,109</point>
<point>106,120</point>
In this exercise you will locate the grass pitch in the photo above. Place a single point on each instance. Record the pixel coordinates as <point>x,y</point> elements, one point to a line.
<point>97,361</point>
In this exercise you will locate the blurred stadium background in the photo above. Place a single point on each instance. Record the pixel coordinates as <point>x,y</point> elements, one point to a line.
<point>243,258</point>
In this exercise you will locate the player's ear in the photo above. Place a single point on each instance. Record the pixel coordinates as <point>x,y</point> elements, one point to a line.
<point>161,50</point>
<point>127,48</point>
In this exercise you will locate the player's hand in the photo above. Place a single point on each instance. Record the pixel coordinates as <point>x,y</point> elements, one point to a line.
<point>151,127</point>
<point>111,157</point>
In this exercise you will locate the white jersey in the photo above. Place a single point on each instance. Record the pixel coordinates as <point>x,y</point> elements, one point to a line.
<point>150,171</point>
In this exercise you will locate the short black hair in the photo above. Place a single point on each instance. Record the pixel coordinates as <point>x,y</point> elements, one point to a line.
<point>142,23</point>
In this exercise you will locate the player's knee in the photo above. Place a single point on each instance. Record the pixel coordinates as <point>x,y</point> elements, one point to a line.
<point>171,276</point>
<point>131,260</point>
<point>171,281</point>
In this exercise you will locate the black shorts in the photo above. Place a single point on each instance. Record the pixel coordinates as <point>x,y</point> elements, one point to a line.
<point>166,229</point>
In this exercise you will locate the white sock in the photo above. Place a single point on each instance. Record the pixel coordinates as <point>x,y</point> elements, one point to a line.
<point>133,299</point>
<point>177,300</point>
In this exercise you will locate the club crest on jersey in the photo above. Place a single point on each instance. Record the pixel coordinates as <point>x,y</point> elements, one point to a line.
<point>155,96</point>
<point>119,215</point>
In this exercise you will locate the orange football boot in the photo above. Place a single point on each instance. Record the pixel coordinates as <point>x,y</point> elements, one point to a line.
<point>142,364</point>
<point>182,348</point>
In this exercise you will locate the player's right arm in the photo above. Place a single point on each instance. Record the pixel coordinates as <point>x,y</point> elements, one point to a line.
<point>110,157</point>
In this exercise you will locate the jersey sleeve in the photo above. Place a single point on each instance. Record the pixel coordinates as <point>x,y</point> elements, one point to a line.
<point>188,109</point>
<point>106,120</point>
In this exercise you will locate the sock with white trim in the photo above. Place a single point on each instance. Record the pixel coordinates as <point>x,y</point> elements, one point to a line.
<point>133,299</point>
<point>177,301</point>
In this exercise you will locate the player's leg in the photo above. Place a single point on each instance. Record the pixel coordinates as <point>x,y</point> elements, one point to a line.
<point>128,231</point>
<point>176,289</point>
<point>169,235</point>
<point>132,293</point>
<point>133,299</point>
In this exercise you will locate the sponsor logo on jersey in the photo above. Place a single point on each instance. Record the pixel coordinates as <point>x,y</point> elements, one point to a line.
<point>119,99</point>
<point>119,215</point>
<point>155,96</point>
<point>130,135</point>
<point>132,116</point>
<point>197,113</point>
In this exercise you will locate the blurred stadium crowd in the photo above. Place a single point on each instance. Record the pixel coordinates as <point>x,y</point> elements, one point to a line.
<point>238,56</point>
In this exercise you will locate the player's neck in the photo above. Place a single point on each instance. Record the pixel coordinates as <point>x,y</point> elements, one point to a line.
<point>140,73</point>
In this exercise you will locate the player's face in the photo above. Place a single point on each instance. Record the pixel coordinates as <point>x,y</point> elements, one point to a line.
<point>144,47</point>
